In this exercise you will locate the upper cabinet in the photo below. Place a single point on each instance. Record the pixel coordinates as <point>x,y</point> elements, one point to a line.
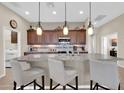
<point>73,36</point>
<point>81,37</point>
<point>51,37</point>
<point>33,38</point>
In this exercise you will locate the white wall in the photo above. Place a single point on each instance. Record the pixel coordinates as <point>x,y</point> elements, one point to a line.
<point>5,16</point>
<point>54,25</point>
<point>116,25</point>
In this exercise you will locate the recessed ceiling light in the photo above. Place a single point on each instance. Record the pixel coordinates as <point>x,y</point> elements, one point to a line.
<point>27,13</point>
<point>54,12</point>
<point>81,12</point>
<point>95,23</point>
<point>50,4</point>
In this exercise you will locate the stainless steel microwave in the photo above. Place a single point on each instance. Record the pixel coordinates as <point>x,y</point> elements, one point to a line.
<point>64,40</point>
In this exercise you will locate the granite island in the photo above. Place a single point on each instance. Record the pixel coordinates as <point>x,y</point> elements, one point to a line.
<point>78,61</point>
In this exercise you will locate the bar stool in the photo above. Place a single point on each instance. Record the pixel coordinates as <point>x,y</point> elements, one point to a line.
<point>104,74</point>
<point>23,78</point>
<point>61,75</point>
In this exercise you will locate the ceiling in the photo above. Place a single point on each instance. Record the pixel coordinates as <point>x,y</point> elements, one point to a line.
<point>102,12</point>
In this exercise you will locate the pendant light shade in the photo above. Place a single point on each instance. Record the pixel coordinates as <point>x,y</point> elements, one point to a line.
<point>90,29</point>
<point>39,28</point>
<point>39,31</point>
<point>65,28</point>
<point>90,26</point>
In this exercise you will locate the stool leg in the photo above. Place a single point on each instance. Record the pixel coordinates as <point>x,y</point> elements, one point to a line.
<point>14,83</point>
<point>50,84</point>
<point>97,86</point>
<point>119,87</point>
<point>43,84</point>
<point>76,79</point>
<point>91,84</point>
<point>22,87</point>
<point>34,84</point>
<point>64,87</point>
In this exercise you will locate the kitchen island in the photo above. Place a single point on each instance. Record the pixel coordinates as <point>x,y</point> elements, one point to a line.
<point>53,52</point>
<point>78,61</point>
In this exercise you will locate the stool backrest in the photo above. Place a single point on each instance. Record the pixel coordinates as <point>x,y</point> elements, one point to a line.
<point>105,73</point>
<point>56,70</point>
<point>17,72</point>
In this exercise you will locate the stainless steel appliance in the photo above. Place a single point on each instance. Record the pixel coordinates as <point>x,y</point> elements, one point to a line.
<point>64,44</point>
<point>65,40</point>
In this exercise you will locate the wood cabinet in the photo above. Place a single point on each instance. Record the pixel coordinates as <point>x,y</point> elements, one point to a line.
<point>77,36</point>
<point>51,37</point>
<point>33,38</point>
<point>73,36</point>
<point>81,37</point>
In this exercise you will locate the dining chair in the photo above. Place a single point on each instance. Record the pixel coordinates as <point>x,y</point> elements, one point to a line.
<point>62,76</point>
<point>23,78</point>
<point>104,74</point>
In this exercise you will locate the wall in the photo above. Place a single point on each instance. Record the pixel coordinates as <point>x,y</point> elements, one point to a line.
<point>54,25</point>
<point>5,16</point>
<point>7,39</point>
<point>116,25</point>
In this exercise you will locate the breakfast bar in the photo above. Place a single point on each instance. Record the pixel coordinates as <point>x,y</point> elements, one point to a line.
<point>80,62</point>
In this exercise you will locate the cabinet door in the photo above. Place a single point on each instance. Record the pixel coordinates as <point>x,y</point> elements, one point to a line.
<point>60,33</point>
<point>31,37</point>
<point>34,39</point>
<point>39,39</point>
<point>46,37</point>
<point>73,36</point>
<point>81,37</point>
<point>51,37</point>
<point>54,37</point>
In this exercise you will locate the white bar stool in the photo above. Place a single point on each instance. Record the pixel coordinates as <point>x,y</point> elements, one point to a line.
<point>104,74</point>
<point>61,75</point>
<point>23,78</point>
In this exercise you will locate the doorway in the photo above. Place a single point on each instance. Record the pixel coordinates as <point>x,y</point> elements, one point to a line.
<point>109,44</point>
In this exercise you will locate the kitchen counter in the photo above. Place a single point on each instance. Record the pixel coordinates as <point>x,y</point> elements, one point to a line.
<point>35,52</point>
<point>53,52</point>
<point>35,56</point>
<point>79,62</point>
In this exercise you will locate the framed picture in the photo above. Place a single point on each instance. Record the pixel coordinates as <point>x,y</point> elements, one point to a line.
<point>14,37</point>
<point>114,42</point>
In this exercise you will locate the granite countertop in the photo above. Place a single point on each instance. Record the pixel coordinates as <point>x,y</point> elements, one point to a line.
<point>38,52</point>
<point>102,57</point>
<point>80,57</point>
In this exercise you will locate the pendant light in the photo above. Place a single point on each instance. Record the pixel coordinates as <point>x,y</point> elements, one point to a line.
<point>65,28</point>
<point>39,28</point>
<point>90,26</point>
